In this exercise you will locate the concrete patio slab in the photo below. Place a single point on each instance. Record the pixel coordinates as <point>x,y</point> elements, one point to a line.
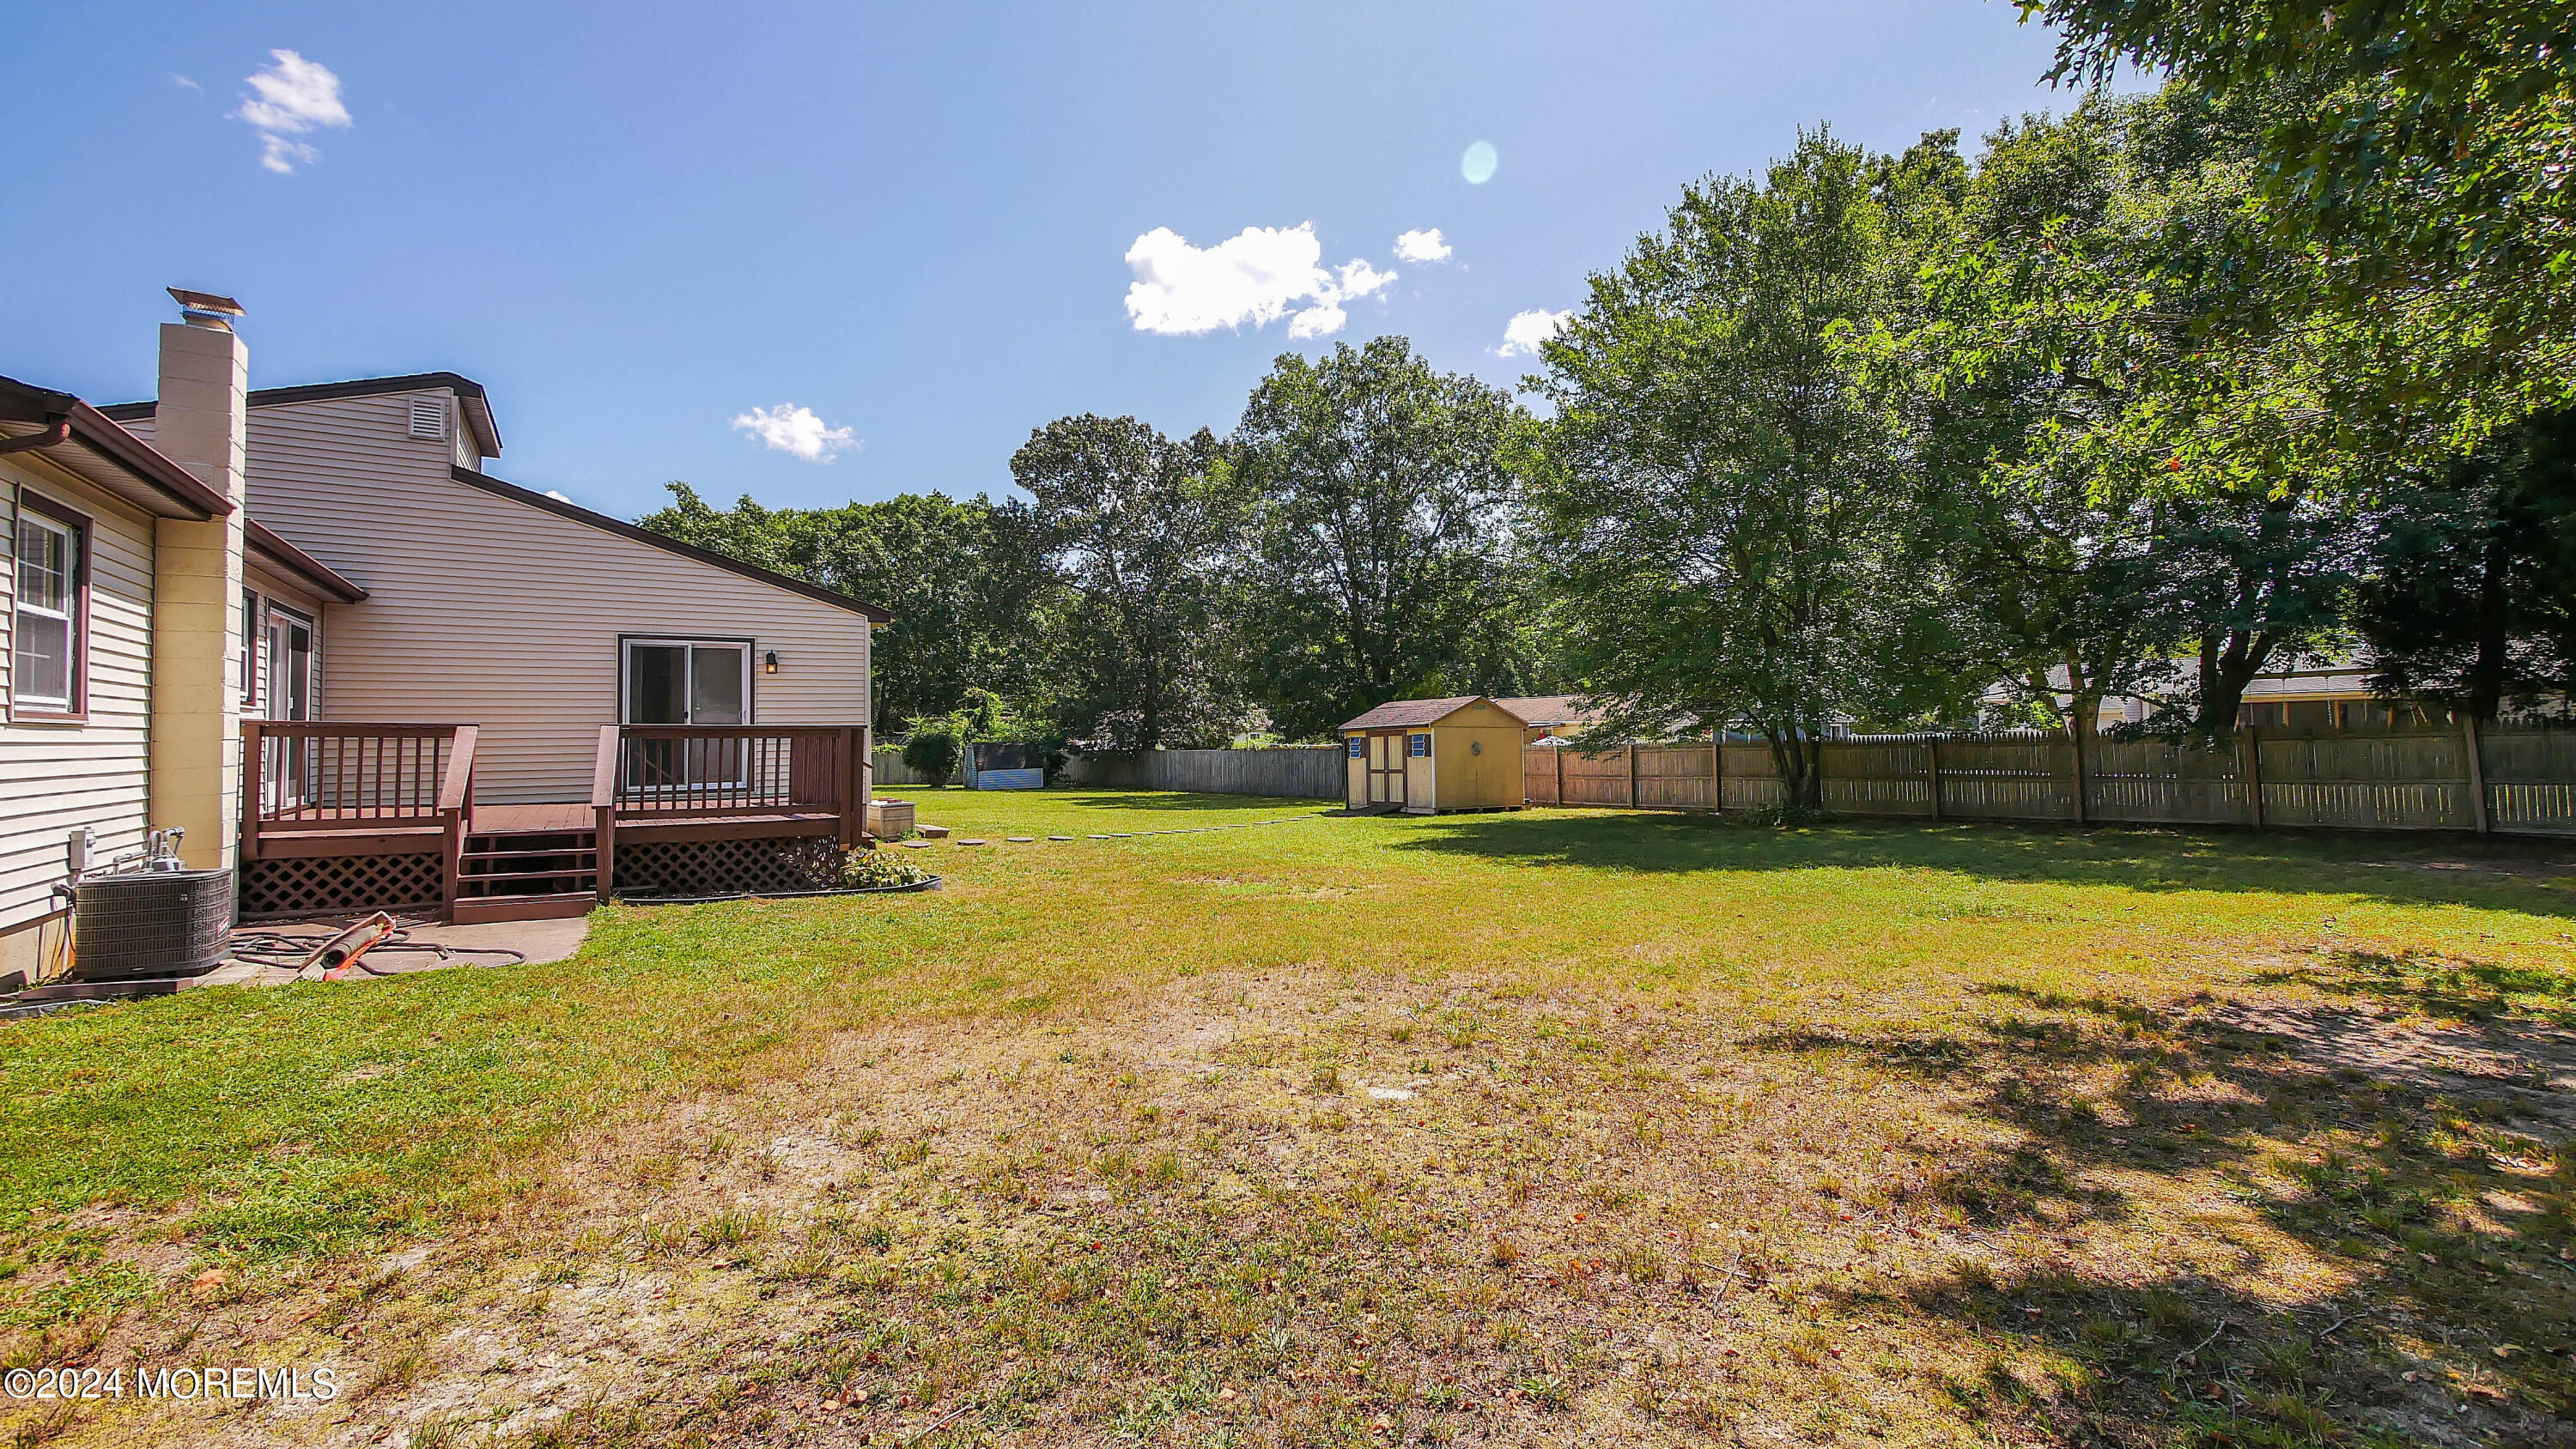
<point>418,947</point>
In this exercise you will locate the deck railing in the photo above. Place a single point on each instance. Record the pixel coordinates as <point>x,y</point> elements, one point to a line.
<point>662,770</point>
<point>310,776</point>
<point>646,774</point>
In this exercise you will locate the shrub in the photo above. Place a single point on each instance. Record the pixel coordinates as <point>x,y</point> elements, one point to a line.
<point>933,750</point>
<point>869,869</point>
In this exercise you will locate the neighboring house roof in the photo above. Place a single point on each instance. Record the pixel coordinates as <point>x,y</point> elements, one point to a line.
<point>2337,679</point>
<point>1546,711</point>
<point>286,558</point>
<point>102,452</point>
<point>2330,683</point>
<point>664,542</point>
<point>1399,713</point>
<point>469,396</point>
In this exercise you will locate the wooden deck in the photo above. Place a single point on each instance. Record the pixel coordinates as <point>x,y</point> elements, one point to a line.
<point>344,817</point>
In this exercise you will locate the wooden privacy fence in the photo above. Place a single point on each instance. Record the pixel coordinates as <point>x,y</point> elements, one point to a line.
<point>1296,772</point>
<point>2518,780</point>
<point>886,768</point>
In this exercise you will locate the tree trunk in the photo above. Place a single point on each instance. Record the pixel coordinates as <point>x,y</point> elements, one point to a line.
<point>2486,682</point>
<point>1798,756</point>
<point>2228,663</point>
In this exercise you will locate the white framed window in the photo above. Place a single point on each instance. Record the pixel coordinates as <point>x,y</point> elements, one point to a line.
<point>49,614</point>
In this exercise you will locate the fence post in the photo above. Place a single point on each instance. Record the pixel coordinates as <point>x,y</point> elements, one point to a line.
<point>2250,766</point>
<point>1632,775</point>
<point>2477,773</point>
<point>1559,752</point>
<point>1717,772</point>
<point>1933,748</point>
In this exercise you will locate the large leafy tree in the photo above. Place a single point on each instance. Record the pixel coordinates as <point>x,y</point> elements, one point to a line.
<point>2470,596</point>
<point>1380,563</point>
<point>2427,155</point>
<point>1721,496</point>
<point>1140,524</point>
<point>969,584</point>
<point>2150,496</point>
<point>2014,388</point>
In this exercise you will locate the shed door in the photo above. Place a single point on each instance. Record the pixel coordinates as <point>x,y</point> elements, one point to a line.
<point>1386,769</point>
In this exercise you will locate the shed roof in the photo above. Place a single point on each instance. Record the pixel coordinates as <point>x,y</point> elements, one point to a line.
<point>1398,713</point>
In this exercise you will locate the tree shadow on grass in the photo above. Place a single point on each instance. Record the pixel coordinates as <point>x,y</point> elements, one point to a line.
<point>2438,1219</point>
<point>2536,878</point>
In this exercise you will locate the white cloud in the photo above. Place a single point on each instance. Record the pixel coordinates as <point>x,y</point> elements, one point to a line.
<point>1422,246</point>
<point>1318,321</point>
<point>1256,277</point>
<point>1359,279</point>
<point>296,96</point>
<point>559,495</point>
<point>792,428</point>
<point>1523,334</point>
<point>184,82</point>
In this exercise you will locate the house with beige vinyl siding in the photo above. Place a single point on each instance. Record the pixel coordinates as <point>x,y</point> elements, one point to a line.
<point>105,546</point>
<point>445,690</point>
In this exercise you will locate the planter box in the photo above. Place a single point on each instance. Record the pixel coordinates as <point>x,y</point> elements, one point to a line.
<point>890,819</point>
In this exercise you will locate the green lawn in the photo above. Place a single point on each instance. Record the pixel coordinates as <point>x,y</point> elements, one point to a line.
<point>1940,1134</point>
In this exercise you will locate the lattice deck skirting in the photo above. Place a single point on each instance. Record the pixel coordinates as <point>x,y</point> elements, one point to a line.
<point>337,884</point>
<point>727,867</point>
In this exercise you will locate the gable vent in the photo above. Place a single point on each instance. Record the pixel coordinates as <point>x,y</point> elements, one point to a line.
<point>428,417</point>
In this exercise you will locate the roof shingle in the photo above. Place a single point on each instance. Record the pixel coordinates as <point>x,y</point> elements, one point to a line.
<point>1401,713</point>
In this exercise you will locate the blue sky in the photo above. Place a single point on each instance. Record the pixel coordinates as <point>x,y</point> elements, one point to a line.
<point>638,225</point>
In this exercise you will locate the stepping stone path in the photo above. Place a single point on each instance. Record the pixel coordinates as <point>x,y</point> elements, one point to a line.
<point>1059,837</point>
<point>914,844</point>
<point>1022,839</point>
<point>970,842</point>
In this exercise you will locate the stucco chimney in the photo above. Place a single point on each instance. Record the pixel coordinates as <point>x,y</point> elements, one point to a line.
<point>202,424</point>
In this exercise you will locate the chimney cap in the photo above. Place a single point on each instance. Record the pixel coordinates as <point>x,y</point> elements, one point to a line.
<point>205,303</point>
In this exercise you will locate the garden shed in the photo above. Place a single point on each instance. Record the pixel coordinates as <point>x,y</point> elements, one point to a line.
<point>1427,755</point>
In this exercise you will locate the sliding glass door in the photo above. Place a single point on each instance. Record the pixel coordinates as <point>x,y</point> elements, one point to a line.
<point>684,682</point>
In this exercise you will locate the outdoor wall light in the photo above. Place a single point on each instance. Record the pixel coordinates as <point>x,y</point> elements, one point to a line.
<point>1475,747</point>
<point>769,662</point>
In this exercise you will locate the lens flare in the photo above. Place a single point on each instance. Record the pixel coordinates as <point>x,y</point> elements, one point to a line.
<point>1479,163</point>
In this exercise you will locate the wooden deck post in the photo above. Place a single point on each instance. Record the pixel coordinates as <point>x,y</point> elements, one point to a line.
<point>2477,774</point>
<point>603,810</point>
<point>845,789</point>
<point>455,804</point>
<point>254,789</point>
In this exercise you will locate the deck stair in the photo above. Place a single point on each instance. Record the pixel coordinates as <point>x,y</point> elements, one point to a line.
<point>527,863</point>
